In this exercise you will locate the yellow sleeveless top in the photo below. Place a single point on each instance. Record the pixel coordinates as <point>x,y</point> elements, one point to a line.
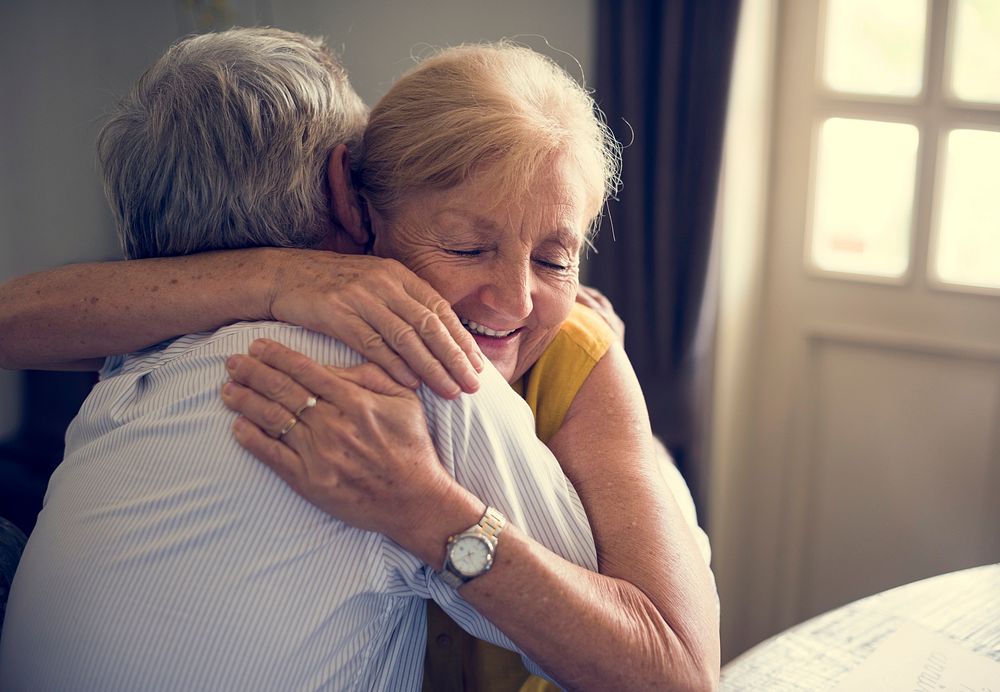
<point>455,660</point>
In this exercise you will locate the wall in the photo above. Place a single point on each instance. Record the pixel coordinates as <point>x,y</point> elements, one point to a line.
<point>66,62</point>
<point>740,223</point>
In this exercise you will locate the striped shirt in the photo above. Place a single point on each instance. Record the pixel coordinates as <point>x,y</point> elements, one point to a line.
<point>168,558</point>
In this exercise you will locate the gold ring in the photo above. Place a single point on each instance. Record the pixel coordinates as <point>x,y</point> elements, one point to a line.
<point>310,403</point>
<point>288,426</point>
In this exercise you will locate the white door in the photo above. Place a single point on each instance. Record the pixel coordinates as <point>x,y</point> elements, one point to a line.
<point>874,457</point>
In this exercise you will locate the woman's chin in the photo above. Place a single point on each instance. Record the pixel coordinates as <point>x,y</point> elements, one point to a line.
<point>501,352</point>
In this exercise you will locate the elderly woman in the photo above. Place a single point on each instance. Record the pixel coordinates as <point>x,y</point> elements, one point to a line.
<point>482,171</point>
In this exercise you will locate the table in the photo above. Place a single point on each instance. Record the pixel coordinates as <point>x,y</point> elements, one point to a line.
<point>816,654</point>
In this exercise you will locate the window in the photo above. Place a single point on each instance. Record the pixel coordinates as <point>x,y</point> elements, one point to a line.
<point>907,108</point>
<point>864,196</point>
<point>967,230</point>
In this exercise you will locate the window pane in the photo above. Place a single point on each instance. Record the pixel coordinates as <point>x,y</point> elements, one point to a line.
<point>875,46</point>
<point>968,235</point>
<point>975,45</point>
<point>864,196</point>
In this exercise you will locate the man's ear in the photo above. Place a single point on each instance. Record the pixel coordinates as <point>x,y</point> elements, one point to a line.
<point>345,206</point>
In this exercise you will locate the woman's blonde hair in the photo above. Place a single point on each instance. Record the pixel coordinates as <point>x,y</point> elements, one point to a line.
<point>495,106</point>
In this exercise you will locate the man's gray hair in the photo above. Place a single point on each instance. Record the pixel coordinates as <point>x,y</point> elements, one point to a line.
<point>223,143</point>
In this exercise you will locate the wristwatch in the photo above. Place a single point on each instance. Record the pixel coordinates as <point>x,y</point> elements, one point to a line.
<point>470,553</point>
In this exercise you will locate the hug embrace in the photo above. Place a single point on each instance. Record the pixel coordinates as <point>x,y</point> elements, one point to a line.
<point>320,263</point>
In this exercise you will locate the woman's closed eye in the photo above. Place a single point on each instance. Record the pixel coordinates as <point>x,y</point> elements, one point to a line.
<point>553,265</point>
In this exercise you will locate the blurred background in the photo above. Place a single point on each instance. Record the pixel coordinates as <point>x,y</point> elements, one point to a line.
<point>806,250</point>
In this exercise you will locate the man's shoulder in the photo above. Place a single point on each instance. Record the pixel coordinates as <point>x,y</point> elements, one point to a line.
<point>494,401</point>
<point>184,351</point>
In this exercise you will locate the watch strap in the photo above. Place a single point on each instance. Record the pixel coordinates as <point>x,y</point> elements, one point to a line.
<point>452,578</point>
<point>488,529</point>
<point>491,525</point>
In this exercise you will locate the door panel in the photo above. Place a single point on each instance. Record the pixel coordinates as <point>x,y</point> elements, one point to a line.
<point>899,483</point>
<point>871,454</point>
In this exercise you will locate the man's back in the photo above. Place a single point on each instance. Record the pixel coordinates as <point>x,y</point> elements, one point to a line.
<point>168,558</point>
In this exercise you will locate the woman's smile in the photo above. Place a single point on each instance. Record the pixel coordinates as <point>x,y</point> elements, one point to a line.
<point>498,345</point>
<point>483,330</point>
<point>508,267</point>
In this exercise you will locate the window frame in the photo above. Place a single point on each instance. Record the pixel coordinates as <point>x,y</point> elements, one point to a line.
<point>934,111</point>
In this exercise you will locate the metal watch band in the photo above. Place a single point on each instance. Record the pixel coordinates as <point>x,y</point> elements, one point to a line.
<point>452,579</point>
<point>492,524</point>
<point>488,529</point>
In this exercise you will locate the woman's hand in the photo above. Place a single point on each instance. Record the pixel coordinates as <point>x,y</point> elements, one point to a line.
<point>361,452</point>
<point>598,302</point>
<point>74,316</point>
<point>383,311</point>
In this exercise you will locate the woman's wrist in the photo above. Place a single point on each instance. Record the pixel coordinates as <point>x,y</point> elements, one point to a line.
<point>269,268</point>
<point>425,531</point>
<point>226,286</point>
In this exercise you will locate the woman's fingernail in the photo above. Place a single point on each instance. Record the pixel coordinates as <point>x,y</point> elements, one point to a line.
<point>239,427</point>
<point>232,362</point>
<point>470,381</point>
<point>256,347</point>
<point>477,361</point>
<point>227,389</point>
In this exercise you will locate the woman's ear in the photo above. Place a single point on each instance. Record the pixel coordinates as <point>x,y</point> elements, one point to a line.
<point>345,206</point>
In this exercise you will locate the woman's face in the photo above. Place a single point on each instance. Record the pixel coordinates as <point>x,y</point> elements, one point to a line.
<point>509,267</point>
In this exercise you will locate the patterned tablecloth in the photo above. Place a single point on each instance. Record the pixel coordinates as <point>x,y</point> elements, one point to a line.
<point>815,655</point>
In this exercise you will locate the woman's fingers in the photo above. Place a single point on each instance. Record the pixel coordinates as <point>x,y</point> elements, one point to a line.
<point>371,377</point>
<point>270,416</point>
<point>392,336</point>
<point>385,312</point>
<point>456,333</point>
<point>306,373</point>
<point>424,331</point>
<point>269,382</point>
<point>358,333</point>
<point>279,457</point>
<point>419,326</point>
<point>363,454</point>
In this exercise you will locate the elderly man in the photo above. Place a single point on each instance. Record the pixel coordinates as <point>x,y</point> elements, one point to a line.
<point>165,558</point>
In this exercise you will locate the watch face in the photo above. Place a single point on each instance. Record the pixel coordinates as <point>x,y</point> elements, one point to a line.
<point>470,555</point>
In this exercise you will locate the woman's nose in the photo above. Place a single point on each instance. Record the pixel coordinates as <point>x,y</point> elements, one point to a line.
<point>508,292</point>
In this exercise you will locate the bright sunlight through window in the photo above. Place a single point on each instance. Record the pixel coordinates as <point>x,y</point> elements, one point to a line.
<point>862,211</point>
<point>864,215</point>
<point>968,230</point>
<point>875,46</point>
<point>975,62</point>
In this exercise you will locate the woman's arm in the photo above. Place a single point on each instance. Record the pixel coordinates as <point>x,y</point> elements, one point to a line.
<point>84,312</point>
<point>647,621</point>
<point>73,316</point>
<point>662,593</point>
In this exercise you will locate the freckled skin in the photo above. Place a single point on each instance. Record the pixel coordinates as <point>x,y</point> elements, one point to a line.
<point>502,263</point>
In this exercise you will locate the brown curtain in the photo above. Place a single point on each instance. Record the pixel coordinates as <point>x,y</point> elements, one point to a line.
<point>663,82</point>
